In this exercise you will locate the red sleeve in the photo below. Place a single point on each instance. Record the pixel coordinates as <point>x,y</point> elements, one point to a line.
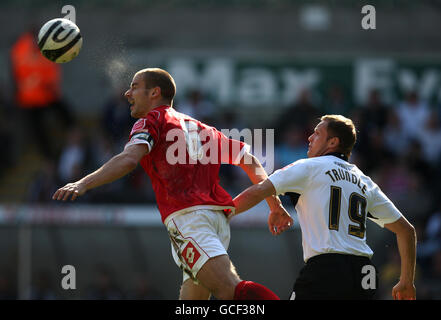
<point>232,150</point>
<point>146,131</point>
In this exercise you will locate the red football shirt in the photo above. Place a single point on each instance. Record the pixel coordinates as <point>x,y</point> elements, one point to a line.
<point>184,160</point>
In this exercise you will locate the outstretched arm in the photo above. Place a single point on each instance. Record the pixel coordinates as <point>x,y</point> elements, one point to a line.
<point>255,171</point>
<point>406,239</point>
<point>115,168</point>
<point>279,219</point>
<point>253,195</point>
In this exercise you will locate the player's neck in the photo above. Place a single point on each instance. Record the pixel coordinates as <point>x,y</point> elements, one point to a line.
<point>160,104</point>
<point>337,154</point>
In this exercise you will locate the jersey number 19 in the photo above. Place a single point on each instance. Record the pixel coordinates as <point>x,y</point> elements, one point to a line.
<point>356,211</point>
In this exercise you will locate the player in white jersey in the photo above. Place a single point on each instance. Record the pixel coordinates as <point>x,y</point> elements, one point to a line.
<point>334,198</point>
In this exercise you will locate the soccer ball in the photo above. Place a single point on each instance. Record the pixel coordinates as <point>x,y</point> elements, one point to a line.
<point>60,40</point>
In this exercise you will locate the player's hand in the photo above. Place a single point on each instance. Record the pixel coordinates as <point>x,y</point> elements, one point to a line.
<point>404,291</point>
<point>72,190</point>
<point>279,220</point>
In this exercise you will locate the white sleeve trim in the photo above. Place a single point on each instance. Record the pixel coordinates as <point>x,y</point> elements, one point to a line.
<point>141,138</point>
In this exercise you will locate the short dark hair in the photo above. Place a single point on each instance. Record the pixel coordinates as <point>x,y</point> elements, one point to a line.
<point>156,77</point>
<point>344,129</point>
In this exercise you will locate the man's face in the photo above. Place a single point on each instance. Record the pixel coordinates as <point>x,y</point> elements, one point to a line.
<point>319,143</point>
<point>139,97</point>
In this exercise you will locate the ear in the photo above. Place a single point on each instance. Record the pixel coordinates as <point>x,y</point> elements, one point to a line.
<point>156,92</point>
<point>334,142</point>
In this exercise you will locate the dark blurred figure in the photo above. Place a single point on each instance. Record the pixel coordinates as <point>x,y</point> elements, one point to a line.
<point>44,184</point>
<point>73,155</point>
<point>100,148</point>
<point>375,112</point>
<point>417,162</point>
<point>43,287</point>
<point>413,114</point>
<point>373,118</point>
<point>336,103</point>
<point>144,290</point>
<point>303,114</point>
<point>431,242</point>
<point>105,286</point>
<point>394,178</point>
<point>7,136</point>
<point>396,138</point>
<point>7,287</point>
<point>374,151</point>
<point>292,148</point>
<point>432,279</point>
<point>229,119</point>
<point>231,177</point>
<point>389,272</point>
<point>198,107</point>
<point>430,139</point>
<point>423,155</point>
<point>37,84</point>
<point>116,119</point>
<point>416,200</point>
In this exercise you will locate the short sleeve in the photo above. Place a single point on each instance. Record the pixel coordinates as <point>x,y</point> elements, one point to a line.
<point>145,131</point>
<point>232,150</point>
<point>292,178</point>
<point>381,210</point>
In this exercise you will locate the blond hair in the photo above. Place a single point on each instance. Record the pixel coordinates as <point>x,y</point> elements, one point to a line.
<point>344,129</point>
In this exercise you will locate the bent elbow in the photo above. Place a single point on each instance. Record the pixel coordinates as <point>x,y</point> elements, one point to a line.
<point>412,232</point>
<point>248,160</point>
<point>409,232</point>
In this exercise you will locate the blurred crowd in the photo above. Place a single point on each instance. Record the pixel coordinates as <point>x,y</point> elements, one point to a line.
<point>399,147</point>
<point>105,284</point>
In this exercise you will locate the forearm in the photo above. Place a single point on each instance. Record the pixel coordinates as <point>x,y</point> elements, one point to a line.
<point>247,199</point>
<point>257,174</point>
<point>115,168</point>
<point>407,248</point>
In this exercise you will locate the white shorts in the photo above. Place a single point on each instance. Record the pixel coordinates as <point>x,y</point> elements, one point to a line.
<point>197,236</point>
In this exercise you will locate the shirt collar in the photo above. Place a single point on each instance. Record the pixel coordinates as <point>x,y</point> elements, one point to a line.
<point>338,155</point>
<point>161,106</point>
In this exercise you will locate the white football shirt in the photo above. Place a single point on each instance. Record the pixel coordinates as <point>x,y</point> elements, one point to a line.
<point>335,200</point>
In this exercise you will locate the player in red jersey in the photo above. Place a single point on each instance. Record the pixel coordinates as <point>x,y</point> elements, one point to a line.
<point>182,157</point>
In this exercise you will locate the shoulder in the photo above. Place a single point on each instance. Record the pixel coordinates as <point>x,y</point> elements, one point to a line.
<point>314,162</point>
<point>299,164</point>
<point>160,113</point>
<point>362,174</point>
<point>153,117</point>
<point>138,125</point>
<point>172,116</point>
<point>150,123</point>
<point>372,187</point>
<point>320,163</point>
<point>157,117</point>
